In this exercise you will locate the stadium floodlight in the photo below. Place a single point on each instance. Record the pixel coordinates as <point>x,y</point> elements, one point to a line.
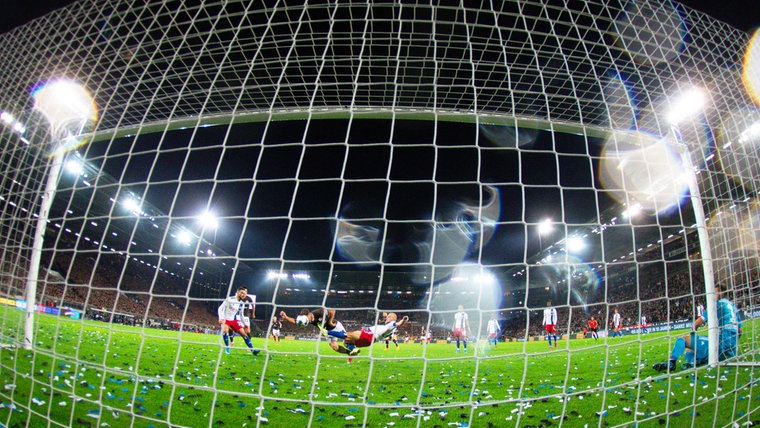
<point>273,275</point>
<point>485,278</point>
<point>208,220</point>
<point>74,166</point>
<point>545,227</point>
<point>6,117</point>
<point>632,211</point>
<point>575,244</point>
<point>751,133</point>
<point>184,237</point>
<point>68,108</point>
<point>685,106</point>
<point>131,205</point>
<point>9,120</point>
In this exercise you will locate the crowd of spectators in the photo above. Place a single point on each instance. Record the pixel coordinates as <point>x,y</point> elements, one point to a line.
<point>110,287</point>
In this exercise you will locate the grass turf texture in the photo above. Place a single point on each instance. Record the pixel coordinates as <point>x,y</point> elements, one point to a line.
<point>85,373</point>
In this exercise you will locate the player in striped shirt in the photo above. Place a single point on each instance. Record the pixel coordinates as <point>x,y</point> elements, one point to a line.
<point>550,324</point>
<point>617,324</point>
<point>363,338</point>
<point>461,326</point>
<point>493,331</point>
<point>231,313</point>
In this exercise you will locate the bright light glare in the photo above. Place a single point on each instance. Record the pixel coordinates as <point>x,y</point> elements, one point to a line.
<point>6,117</point>
<point>633,211</point>
<point>486,278</point>
<point>751,69</point>
<point>65,101</point>
<point>208,220</point>
<point>575,244</point>
<point>686,105</point>
<point>276,275</point>
<point>545,227</point>
<point>751,133</point>
<point>74,166</point>
<point>184,238</point>
<point>131,205</point>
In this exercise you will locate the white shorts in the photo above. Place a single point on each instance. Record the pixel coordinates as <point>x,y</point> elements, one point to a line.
<point>338,327</point>
<point>247,322</point>
<point>275,332</point>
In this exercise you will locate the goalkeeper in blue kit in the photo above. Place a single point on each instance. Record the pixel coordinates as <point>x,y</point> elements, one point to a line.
<point>694,348</point>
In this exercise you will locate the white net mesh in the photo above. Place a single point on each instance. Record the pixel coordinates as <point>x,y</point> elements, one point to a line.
<point>373,157</point>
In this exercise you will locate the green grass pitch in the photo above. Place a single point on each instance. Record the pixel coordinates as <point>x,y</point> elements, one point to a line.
<point>85,373</point>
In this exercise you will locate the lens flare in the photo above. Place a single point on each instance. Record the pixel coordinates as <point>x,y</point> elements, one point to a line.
<point>738,144</point>
<point>620,102</point>
<point>358,242</point>
<point>70,110</point>
<point>638,168</point>
<point>509,136</point>
<point>470,285</point>
<point>471,227</point>
<point>751,69</point>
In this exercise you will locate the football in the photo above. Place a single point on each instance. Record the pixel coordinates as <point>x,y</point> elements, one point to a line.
<point>302,320</point>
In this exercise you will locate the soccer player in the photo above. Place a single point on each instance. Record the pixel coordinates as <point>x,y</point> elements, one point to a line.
<point>230,317</point>
<point>363,338</point>
<point>550,324</point>
<point>617,325</point>
<point>461,326</point>
<point>249,312</point>
<point>393,338</point>
<point>644,324</point>
<point>276,327</point>
<point>694,348</point>
<point>700,310</point>
<point>493,331</point>
<point>326,323</point>
<point>593,327</point>
<point>425,336</point>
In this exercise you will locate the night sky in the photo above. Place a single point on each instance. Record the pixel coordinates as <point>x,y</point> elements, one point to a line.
<point>366,181</point>
<point>740,13</point>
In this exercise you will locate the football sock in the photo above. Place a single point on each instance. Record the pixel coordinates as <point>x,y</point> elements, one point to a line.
<point>226,339</point>
<point>248,342</point>
<point>338,334</point>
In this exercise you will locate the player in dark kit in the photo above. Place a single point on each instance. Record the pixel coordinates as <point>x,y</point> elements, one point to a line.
<point>276,327</point>
<point>321,319</point>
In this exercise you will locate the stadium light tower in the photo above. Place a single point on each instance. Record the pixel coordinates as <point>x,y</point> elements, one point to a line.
<point>208,221</point>
<point>574,244</point>
<point>544,228</point>
<point>68,108</point>
<point>684,106</point>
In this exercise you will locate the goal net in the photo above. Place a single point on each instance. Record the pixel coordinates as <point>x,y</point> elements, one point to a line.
<point>480,169</point>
